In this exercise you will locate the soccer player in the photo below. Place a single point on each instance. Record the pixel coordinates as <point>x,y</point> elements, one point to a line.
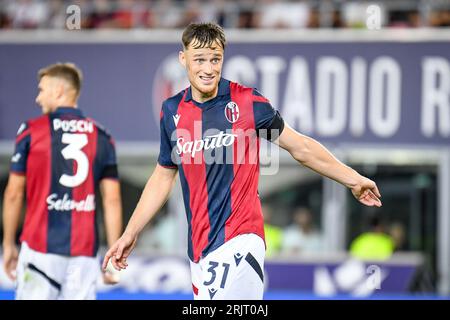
<point>60,159</point>
<point>209,134</point>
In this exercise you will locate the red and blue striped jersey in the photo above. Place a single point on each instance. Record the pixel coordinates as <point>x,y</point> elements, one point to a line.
<point>215,146</point>
<point>63,156</point>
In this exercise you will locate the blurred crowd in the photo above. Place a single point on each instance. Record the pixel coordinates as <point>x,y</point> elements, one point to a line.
<point>126,14</point>
<point>378,240</point>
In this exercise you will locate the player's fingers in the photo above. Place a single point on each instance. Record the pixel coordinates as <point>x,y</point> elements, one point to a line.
<point>373,202</point>
<point>122,263</point>
<point>10,269</point>
<point>363,194</point>
<point>114,263</point>
<point>119,251</point>
<point>114,260</point>
<point>106,259</point>
<point>376,200</point>
<point>365,202</point>
<point>11,274</point>
<point>370,201</point>
<point>376,191</point>
<point>126,253</point>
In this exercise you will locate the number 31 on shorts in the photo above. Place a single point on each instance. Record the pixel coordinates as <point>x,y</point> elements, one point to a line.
<point>213,266</point>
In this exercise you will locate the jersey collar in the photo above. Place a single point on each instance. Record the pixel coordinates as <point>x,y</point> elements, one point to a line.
<point>68,110</point>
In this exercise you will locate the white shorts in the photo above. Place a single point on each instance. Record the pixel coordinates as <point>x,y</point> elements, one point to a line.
<point>46,276</point>
<point>234,271</point>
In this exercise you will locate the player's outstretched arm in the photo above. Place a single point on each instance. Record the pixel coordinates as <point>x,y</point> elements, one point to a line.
<point>315,156</point>
<point>154,196</point>
<point>12,208</point>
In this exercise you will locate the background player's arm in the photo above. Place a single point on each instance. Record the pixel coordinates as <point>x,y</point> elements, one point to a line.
<point>112,207</point>
<point>154,196</point>
<point>12,208</point>
<point>315,156</point>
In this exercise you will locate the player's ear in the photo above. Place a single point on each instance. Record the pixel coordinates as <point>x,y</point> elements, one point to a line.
<point>182,58</point>
<point>59,89</point>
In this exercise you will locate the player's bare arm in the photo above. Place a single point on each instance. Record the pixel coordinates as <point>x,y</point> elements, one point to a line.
<point>12,207</point>
<point>315,156</point>
<point>110,190</point>
<point>154,196</point>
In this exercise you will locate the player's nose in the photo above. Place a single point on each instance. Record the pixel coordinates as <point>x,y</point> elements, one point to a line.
<point>208,68</point>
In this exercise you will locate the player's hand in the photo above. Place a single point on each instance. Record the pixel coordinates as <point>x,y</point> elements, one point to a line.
<point>110,275</point>
<point>110,278</point>
<point>367,193</point>
<point>10,258</point>
<point>119,252</point>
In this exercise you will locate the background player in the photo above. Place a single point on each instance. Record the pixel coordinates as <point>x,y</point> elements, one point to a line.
<point>215,119</point>
<point>60,158</point>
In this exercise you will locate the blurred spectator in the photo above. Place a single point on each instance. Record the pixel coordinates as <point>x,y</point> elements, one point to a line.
<point>246,19</point>
<point>314,19</point>
<point>440,18</point>
<point>191,13</point>
<point>398,234</point>
<point>132,14</point>
<point>168,14</point>
<point>56,14</point>
<point>283,14</point>
<point>374,244</point>
<point>101,15</point>
<point>336,20</point>
<point>213,11</point>
<point>273,234</point>
<point>404,19</point>
<point>4,19</point>
<point>302,236</point>
<point>27,14</point>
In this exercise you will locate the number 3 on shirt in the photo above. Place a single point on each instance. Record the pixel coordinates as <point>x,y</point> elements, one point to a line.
<point>75,142</point>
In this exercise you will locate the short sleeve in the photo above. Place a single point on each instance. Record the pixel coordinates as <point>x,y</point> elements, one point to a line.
<point>165,148</point>
<point>22,148</point>
<point>110,164</point>
<point>268,121</point>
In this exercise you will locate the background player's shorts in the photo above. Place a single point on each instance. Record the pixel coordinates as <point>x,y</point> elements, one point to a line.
<point>234,271</point>
<point>49,276</point>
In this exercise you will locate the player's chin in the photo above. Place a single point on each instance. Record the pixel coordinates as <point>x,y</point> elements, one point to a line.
<point>207,89</point>
<point>45,110</point>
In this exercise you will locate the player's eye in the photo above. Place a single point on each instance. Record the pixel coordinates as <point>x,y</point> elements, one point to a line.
<point>215,60</point>
<point>199,60</point>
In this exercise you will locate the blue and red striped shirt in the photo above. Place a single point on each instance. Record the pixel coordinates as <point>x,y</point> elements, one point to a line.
<point>63,156</point>
<point>215,146</point>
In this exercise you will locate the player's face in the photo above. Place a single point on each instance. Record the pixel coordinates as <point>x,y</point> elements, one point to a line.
<point>47,97</point>
<point>204,67</point>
